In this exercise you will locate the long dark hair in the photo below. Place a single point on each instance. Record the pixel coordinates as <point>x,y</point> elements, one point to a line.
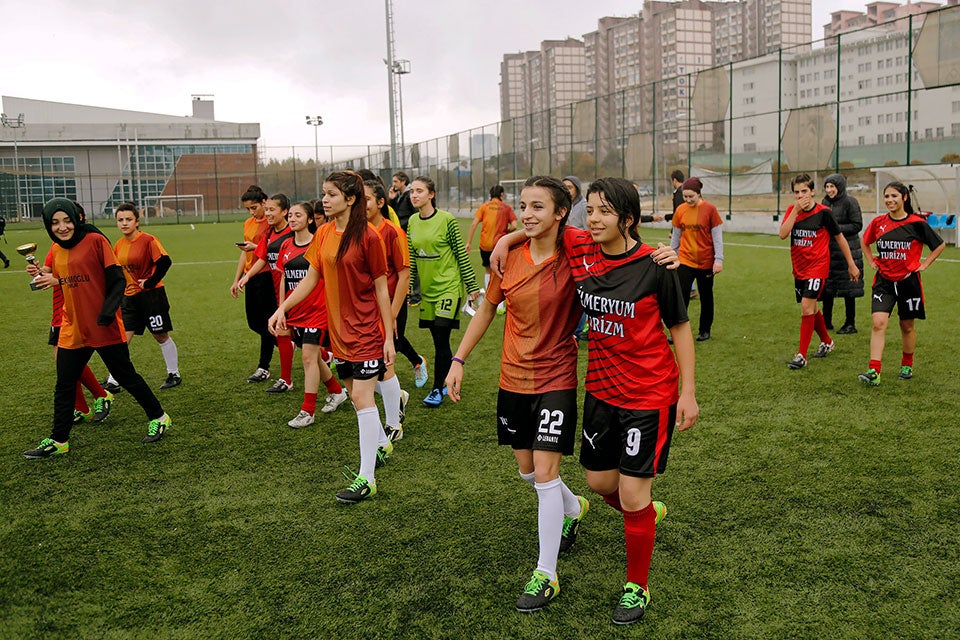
<point>307,206</point>
<point>349,183</point>
<point>254,194</point>
<point>621,196</point>
<point>561,202</point>
<point>380,194</point>
<point>905,192</point>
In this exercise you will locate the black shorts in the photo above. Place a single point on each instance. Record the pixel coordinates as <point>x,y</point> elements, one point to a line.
<point>907,294</point>
<point>538,421</point>
<point>634,441</point>
<point>54,336</point>
<point>444,312</point>
<point>366,370</point>
<point>147,310</point>
<point>307,335</point>
<point>811,288</point>
<point>485,257</point>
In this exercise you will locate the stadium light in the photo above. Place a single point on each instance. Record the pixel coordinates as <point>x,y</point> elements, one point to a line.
<point>315,122</point>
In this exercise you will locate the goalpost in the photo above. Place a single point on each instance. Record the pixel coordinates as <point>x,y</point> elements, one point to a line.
<point>190,204</point>
<point>513,187</point>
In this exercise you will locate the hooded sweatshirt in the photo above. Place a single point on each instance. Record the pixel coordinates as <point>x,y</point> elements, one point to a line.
<point>578,209</point>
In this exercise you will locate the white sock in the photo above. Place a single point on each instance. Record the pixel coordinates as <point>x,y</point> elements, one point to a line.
<point>376,388</point>
<point>571,503</point>
<point>170,356</point>
<point>529,478</point>
<point>390,390</point>
<point>368,420</point>
<point>550,521</point>
<point>486,280</point>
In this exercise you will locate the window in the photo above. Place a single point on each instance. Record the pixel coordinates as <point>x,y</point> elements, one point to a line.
<point>861,141</point>
<point>939,132</point>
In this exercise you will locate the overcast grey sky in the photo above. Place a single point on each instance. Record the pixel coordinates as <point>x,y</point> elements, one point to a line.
<point>275,62</point>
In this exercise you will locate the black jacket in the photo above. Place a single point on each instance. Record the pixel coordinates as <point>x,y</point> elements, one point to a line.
<point>846,211</point>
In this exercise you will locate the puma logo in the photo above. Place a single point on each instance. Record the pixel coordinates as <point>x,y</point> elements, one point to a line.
<point>590,439</point>
<point>587,265</point>
<point>878,297</point>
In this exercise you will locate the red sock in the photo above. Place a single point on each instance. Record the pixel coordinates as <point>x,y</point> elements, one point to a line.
<point>309,403</point>
<point>89,380</point>
<point>640,530</point>
<point>285,347</point>
<point>875,365</point>
<point>333,385</point>
<point>325,355</point>
<point>820,326</point>
<point>613,499</point>
<point>906,360</point>
<point>80,404</point>
<point>806,332</point>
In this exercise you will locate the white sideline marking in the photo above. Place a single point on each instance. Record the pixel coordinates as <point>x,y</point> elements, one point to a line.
<point>769,246</point>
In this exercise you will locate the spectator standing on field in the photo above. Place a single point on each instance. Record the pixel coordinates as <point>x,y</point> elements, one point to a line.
<point>846,211</point>
<point>578,208</point>
<point>495,218</point>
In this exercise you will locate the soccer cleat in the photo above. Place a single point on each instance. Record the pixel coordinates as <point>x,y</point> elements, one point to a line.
<point>334,400</point>
<point>101,407</point>
<point>394,435</point>
<point>45,449</point>
<point>173,380</point>
<point>420,373</point>
<point>661,510</point>
<point>157,428</point>
<point>358,490</point>
<point>633,604</point>
<point>538,593</point>
<point>824,349</point>
<point>280,386</point>
<point>79,417</point>
<point>870,377</point>
<point>906,372</point>
<point>404,399</point>
<point>302,420</point>
<point>383,452</point>
<point>434,398</point>
<point>112,387</point>
<point>260,375</point>
<point>846,329</point>
<point>571,526</point>
<point>798,362</point>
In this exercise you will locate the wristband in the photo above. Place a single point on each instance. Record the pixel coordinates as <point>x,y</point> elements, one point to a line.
<point>456,359</point>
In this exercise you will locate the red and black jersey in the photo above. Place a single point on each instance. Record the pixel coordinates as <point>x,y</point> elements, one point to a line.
<point>311,313</point>
<point>269,249</point>
<point>810,242</point>
<point>628,298</point>
<point>900,244</point>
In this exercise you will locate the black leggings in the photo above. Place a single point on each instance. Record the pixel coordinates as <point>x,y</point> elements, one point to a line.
<point>442,354</point>
<point>704,278</point>
<point>400,340</point>
<point>851,310</point>
<point>70,364</point>
<point>260,301</point>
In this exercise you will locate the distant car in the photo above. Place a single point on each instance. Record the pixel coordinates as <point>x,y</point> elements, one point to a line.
<point>858,186</point>
<point>645,190</point>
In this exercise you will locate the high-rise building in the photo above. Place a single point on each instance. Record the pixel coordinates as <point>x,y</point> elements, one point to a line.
<point>876,13</point>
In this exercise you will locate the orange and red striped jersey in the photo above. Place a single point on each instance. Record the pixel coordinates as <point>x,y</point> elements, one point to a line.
<point>539,350</point>
<point>353,315</point>
<point>57,317</point>
<point>138,259</point>
<point>494,216</point>
<point>81,274</point>
<point>398,253</point>
<point>253,231</point>
<point>696,237</point>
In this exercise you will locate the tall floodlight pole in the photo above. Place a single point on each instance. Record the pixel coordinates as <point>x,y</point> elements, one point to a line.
<point>395,68</point>
<point>14,123</point>
<point>316,121</point>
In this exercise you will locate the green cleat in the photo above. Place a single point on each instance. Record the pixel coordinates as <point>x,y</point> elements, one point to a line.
<point>358,490</point>
<point>633,604</point>
<point>46,449</point>
<point>870,377</point>
<point>79,417</point>
<point>157,428</point>
<point>383,452</point>
<point>661,510</point>
<point>571,526</point>
<point>906,372</point>
<point>101,407</point>
<point>538,593</point>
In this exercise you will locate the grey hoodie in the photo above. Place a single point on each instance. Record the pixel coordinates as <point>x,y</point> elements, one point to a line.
<point>578,210</point>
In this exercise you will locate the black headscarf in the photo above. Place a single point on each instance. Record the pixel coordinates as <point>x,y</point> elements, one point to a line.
<point>67,206</point>
<point>840,183</point>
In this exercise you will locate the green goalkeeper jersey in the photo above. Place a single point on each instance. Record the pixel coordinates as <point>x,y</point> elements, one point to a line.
<point>439,257</point>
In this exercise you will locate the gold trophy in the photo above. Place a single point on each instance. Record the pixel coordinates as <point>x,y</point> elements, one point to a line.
<point>27,251</point>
